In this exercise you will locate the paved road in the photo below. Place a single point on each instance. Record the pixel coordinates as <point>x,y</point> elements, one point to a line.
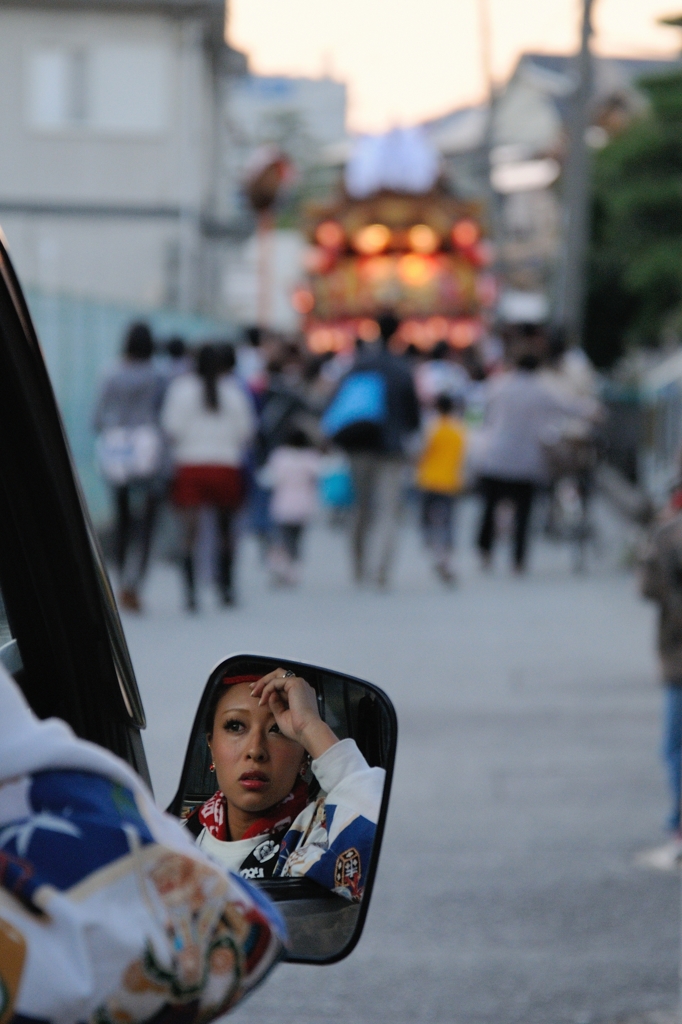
<point>527,778</point>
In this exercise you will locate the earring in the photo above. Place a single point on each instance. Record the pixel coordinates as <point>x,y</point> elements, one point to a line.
<point>305,766</point>
<point>211,767</point>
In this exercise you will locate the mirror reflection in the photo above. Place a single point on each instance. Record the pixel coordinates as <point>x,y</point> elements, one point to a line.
<point>284,783</point>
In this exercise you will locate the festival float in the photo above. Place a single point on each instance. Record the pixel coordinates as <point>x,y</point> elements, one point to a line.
<point>395,239</point>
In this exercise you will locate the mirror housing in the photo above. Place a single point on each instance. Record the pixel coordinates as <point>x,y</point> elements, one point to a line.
<point>324,927</point>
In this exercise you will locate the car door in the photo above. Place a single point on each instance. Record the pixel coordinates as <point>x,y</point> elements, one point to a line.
<point>60,634</point>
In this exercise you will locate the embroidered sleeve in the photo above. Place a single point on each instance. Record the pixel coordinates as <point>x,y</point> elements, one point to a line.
<point>331,841</point>
<point>100,921</point>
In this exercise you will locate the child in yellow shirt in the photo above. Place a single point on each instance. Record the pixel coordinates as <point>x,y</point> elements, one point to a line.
<point>440,478</point>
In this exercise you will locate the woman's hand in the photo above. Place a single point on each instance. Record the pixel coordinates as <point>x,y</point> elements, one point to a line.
<point>294,704</point>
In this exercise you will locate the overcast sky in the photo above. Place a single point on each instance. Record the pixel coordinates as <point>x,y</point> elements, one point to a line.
<point>404,60</point>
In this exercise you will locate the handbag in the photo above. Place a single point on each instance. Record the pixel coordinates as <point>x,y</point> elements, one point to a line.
<point>357,413</point>
<point>127,454</point>
<point>336,484</point>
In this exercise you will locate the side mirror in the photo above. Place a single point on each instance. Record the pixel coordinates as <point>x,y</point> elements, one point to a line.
<point>315,852</point>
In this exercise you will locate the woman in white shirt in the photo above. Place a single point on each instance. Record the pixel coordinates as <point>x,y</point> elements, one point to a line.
<point>210,423</point>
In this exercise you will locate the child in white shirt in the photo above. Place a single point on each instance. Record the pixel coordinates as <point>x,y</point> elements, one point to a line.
<point>292,472</point>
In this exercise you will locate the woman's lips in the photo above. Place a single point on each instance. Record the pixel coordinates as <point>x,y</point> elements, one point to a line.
<point>254,781</point>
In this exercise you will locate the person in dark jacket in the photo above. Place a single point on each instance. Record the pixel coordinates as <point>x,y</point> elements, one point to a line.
<point>378,462</point>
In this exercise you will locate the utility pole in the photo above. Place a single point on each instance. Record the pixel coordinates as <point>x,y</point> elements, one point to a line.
<point>489,137</point>
<point>570,297</point>
<point>486,48</point>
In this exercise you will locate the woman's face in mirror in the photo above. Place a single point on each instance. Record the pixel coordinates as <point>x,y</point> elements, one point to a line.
<point>256,765</point>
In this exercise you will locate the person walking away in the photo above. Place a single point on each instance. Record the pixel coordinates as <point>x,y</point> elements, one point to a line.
<point>661,581</point>
<point>130,453</point>
<point>251,361</point>
<point>440,478</point>
<point>519,412</point>
<point>376,445</point>
<point>209,420</point>
<point>568,369</point>
<point>292,474</point>
<point>281,404</point>
<point>440,375</point>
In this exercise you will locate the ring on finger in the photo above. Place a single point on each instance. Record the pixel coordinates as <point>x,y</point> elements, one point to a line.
<point>288,674</point>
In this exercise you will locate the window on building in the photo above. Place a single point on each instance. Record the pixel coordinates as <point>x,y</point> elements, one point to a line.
<point>112,88</point>
<point>55,77</point>
<point>129,87</point>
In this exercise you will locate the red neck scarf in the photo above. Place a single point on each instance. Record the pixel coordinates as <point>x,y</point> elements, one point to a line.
<point>213,814</point>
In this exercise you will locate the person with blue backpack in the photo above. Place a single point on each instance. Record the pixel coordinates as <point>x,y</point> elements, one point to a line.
<point>371,416</point>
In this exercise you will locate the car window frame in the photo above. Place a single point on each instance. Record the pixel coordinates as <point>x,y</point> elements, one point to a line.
<point>73,648</point>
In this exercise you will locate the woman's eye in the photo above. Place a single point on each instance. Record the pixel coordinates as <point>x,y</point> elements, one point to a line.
<point>233,725</point>
<point>275,728</point>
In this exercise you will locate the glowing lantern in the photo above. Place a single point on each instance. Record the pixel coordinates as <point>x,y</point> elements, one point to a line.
<point>463,333</point>
<point>436,328</point>
<point>330,234</point>
<point>321,340</point>
<point>415,270</point>
<point>423,239</point>
<point>377,268</point>
<point>465,233</point>
<point>411,332</point>
<point>317,260</point>
<point>368,330</point>
<point>303,301</point>
<point>372,239</point>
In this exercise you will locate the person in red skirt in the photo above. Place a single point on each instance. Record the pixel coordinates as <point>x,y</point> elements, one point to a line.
<point>210,422</point>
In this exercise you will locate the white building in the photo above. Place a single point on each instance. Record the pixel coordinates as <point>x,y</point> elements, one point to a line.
<point>125,130</point>
<point>110,146</point>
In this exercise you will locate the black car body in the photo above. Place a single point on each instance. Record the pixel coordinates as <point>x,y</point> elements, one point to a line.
<point>63,638</point>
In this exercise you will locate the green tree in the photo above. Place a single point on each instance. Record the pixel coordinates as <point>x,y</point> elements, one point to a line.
<point>635,261</point>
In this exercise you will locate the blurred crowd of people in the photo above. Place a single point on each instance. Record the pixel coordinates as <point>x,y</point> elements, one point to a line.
<point>265,434</point>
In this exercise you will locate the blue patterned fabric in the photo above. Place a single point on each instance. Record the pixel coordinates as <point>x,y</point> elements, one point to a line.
<point>352,844</point>
<point>77,823</point>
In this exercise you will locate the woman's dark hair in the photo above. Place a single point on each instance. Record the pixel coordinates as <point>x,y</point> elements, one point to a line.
<point>528,361</point>
<point>219,690</point>
<point>388,325</point>
<point>297,438</point>
<point>226,357</point>
<point>208,368</point>
<point>556,341</point>
<point>176,347</point>
<point>253,336</point>
<point>313,366</point>
<point>139,343</point>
